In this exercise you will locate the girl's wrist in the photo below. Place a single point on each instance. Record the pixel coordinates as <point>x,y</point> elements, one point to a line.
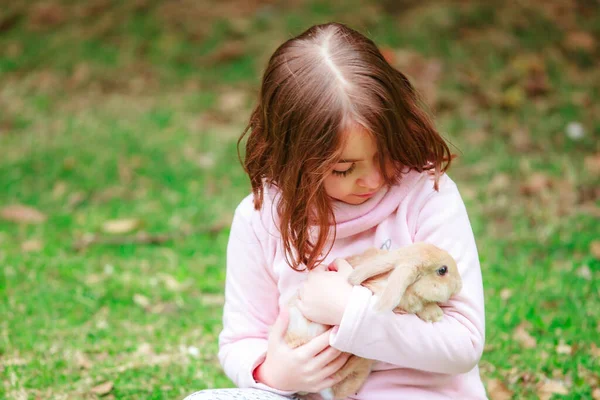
<point>261,375</point>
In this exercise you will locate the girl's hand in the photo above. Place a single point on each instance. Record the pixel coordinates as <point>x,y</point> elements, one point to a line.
<point>325,293</point>
<point>307,368</point>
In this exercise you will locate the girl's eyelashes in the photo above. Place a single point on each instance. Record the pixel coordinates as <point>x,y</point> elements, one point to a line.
<point>346,172</point>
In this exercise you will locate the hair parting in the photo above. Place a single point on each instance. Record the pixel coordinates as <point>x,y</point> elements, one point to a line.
<point>314,87</point>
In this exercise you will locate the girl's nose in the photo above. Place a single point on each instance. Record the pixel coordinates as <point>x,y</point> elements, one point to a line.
<point>372,180</point>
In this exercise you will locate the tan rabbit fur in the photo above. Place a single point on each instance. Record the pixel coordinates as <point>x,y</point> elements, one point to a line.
<point>412,279</point>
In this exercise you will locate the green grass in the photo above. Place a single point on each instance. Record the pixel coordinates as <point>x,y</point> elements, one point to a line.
<point>128,113</point>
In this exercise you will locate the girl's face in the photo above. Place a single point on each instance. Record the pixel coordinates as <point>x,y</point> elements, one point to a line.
<point>356,177</point>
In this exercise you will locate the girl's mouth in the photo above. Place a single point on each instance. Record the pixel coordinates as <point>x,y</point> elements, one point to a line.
<point>366,195</point>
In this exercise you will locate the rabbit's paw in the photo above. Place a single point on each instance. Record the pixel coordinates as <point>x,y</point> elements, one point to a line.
<point>431,313</point>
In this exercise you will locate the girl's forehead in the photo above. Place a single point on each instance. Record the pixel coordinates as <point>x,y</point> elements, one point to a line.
<point>357,144</point>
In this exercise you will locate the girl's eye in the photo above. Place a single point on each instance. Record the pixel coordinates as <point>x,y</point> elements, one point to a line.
<point>346,172</point>
<point>442,271</point>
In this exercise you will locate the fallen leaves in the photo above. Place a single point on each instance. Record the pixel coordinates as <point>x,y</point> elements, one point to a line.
<point>520,139</point>
<point>506,294</point>
<point>82,360</point>
<point>233,101</point>
<point>103,388</point>
<point>549,387</point>
<point>592,164</point>
<point>211,299</point>
<point>595,249</point>
<point>46,15</point>
<point>523,337</point>
<point>584,272</point>
<point>141,300</point>
<point>32,246</point>
<point>121,226</point>
<point>499,183</point>
<point>535,184</point>
<point>563,348</point>
<point>228,52</point>
<point>580,41</point>
<point>497,390</point>
<point>22,214</point>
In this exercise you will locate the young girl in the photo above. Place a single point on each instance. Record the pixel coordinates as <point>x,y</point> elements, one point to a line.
<point>341,158</point>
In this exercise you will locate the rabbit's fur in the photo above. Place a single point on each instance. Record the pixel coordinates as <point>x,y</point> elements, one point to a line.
<point>407,280</point>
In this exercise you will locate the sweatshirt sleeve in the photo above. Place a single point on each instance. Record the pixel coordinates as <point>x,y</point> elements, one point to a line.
<point>451,346</point>
<point>251,303</point>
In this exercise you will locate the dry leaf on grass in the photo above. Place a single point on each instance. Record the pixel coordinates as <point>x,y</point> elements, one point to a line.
<point>59,190</point>
<point>82,361</point>
<point>497,390</point>
<point>563,348</point>
<point>592,164</point>
<point>32,245</point>
<point>506,294</point>
<point>524,338</point>
<point>210,299</point>
<point>595,249</point>
<point>119,226</point>
<point>231,50</point>
<point>584,272</point>
<point>46,15</point>
<point>141,300</point>
<point>477,138</point>
<point>499,183</point>
<point>103,388</point>
<point>595,350</point>
<point>546,389</point>
<point>580,41</point>
<point>535,184</point>
<point>233,101</point>
<point>520,139</point>
<point>22,214</point>
<point>596,394</point>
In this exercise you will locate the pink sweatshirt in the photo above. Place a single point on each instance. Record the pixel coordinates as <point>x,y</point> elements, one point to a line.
<point>416,359</point>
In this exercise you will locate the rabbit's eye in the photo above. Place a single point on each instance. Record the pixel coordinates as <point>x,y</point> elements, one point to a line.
<point>442,271</point>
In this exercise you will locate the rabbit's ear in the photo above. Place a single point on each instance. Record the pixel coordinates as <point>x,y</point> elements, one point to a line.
<point>399,280</point>
<point>359,258</point>
<point>359,275</point>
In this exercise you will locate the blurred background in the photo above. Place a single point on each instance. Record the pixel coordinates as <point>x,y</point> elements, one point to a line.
<point>119,176</point>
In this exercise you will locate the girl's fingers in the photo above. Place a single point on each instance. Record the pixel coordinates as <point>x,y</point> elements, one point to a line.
<point>279,328</point>
<point>322,359</point>
<point>316,344</point>
<point>328,382</point>
<point>334,366</point>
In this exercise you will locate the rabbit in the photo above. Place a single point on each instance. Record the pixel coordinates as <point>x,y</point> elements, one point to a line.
<point>412,279</point>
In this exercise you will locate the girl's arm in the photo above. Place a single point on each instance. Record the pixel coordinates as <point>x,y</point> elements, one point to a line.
<point>451,346</point>
<point>251,303</point>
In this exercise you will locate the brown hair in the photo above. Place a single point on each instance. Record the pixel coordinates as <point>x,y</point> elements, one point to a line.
<point>316,85</point>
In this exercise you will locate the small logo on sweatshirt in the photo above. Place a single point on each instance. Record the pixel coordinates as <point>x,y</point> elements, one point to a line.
<point>386,245</point>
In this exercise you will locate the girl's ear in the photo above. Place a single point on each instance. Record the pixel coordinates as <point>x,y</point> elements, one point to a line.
<point>399,280</point>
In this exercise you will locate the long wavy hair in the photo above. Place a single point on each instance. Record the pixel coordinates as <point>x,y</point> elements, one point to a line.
<point>314,87</point>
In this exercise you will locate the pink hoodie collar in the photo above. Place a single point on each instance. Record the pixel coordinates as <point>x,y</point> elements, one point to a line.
<point>352,219</point>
